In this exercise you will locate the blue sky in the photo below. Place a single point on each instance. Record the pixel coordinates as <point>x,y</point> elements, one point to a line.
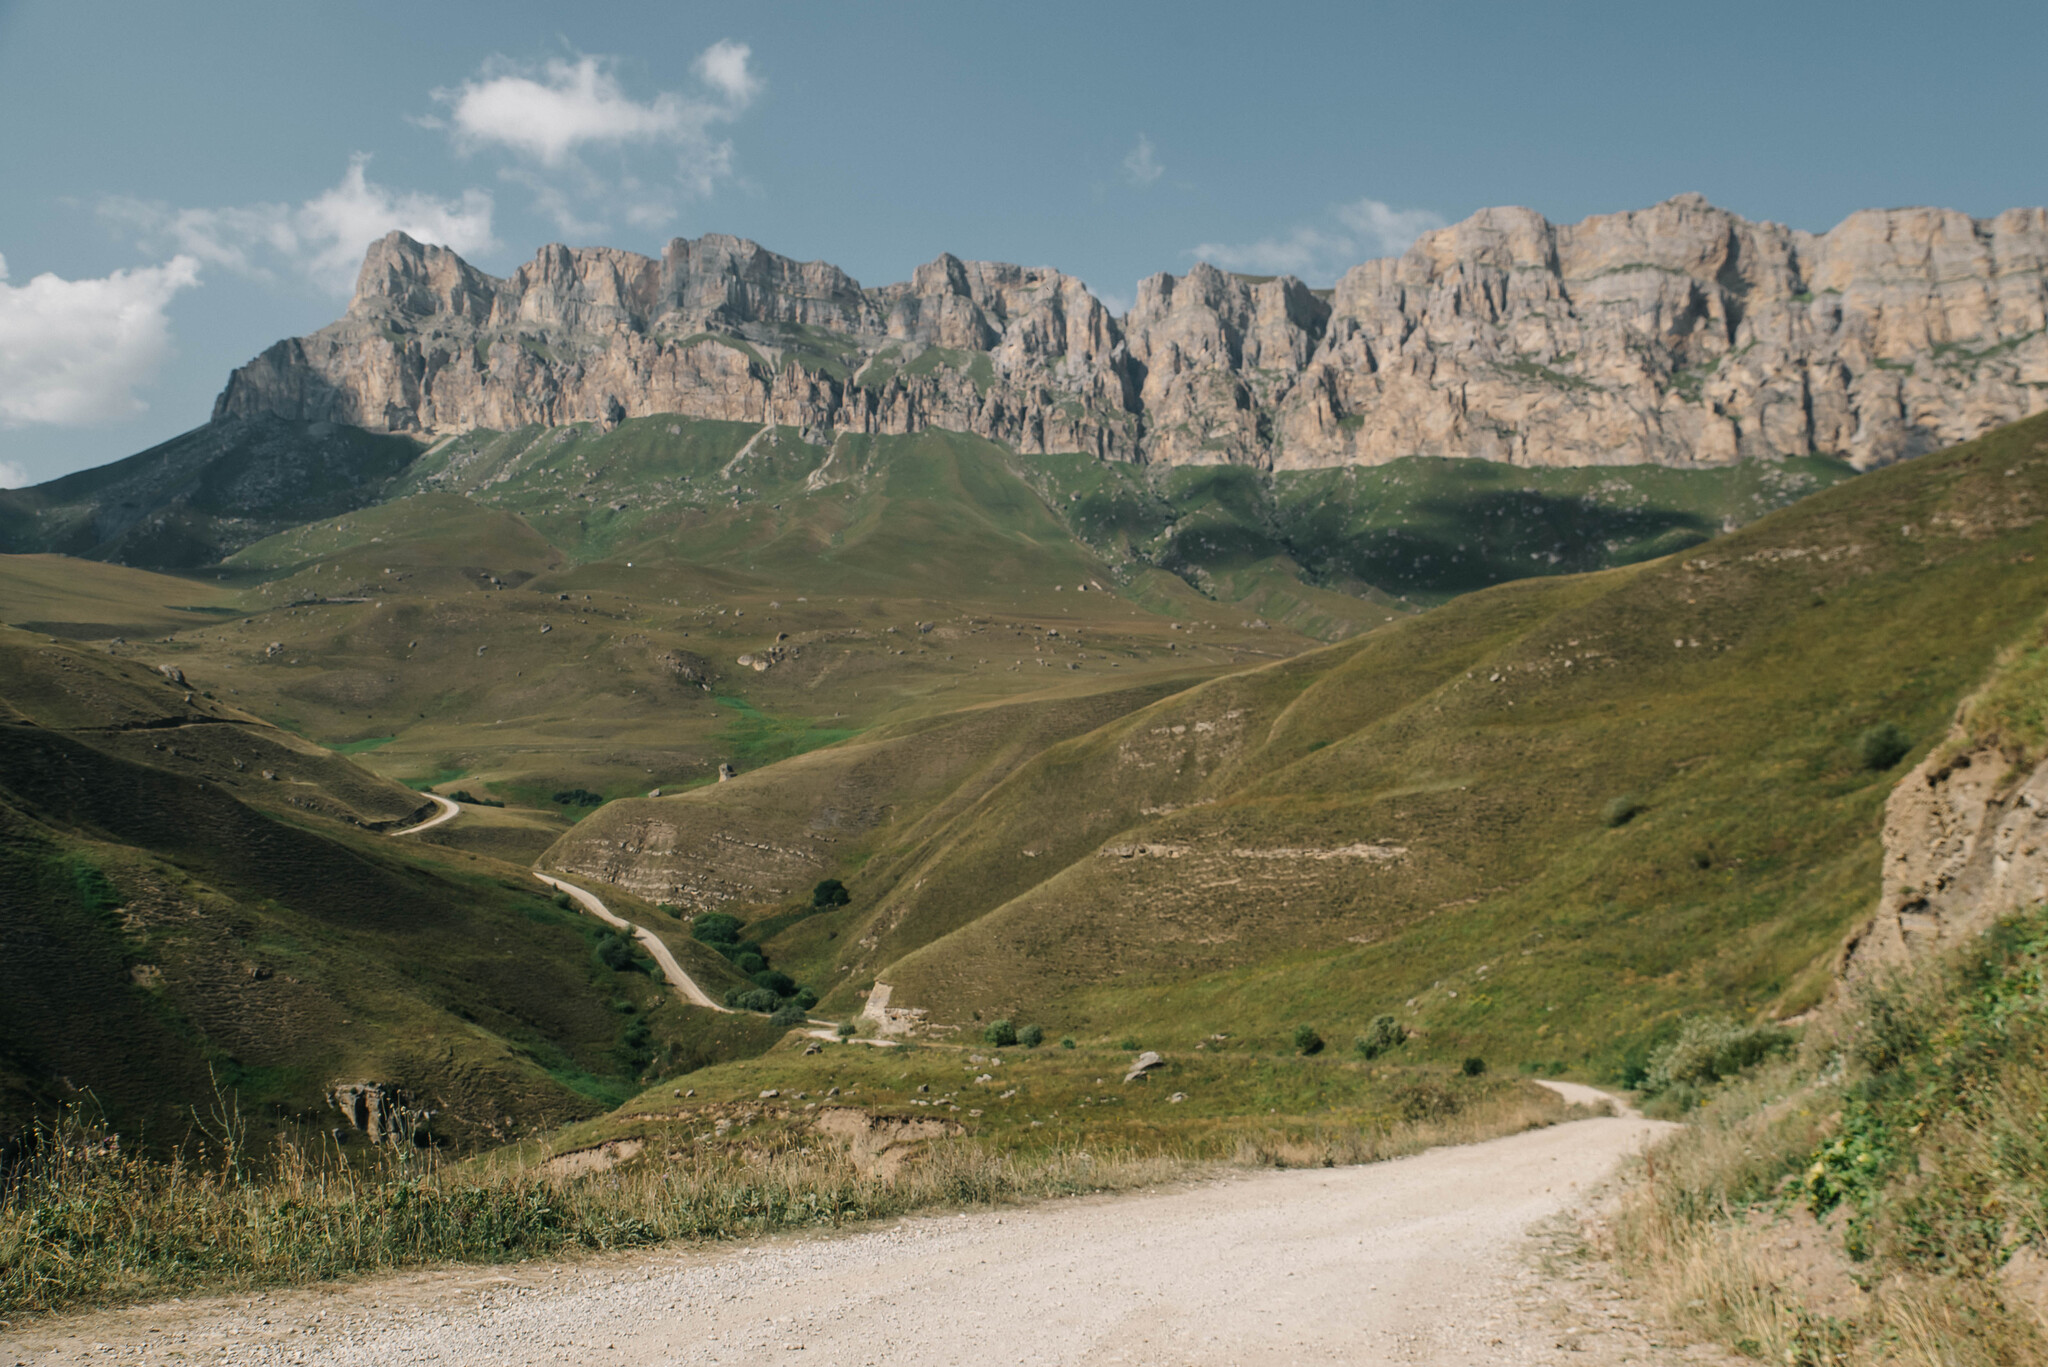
<point>188,183</point>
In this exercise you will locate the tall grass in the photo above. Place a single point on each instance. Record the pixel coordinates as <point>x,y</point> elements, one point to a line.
<point>1906,1147</point>
<point>82,1222</point>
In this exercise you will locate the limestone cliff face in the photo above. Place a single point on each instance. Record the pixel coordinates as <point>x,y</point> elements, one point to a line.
<point>1966,844</point>
<point>1680,334</point>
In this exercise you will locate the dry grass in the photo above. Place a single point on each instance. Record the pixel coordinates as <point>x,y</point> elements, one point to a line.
<point>1912,1127</point>
<point>83,1223</point>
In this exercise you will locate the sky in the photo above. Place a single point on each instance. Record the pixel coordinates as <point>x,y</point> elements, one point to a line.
<point>186,184</point>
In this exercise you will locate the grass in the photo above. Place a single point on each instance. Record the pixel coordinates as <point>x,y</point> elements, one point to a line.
<point>211,919</point>
<point>1905,1142</point>
<point>86,1222</point>
<point>1477,746</point>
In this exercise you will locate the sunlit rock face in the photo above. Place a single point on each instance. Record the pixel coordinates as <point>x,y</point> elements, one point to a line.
<point>1678,335</point>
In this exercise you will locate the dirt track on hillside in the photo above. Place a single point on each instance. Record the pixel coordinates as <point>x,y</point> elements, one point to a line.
<point>685,986</point>
<point>1431,1260</point>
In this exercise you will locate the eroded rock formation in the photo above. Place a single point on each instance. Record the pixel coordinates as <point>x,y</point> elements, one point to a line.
<point>1965,845</point>
<point>1679,334</point>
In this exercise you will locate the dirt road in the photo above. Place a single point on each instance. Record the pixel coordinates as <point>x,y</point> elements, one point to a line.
<point>671,971</point>
<point>449,811</point>
<point>1424,1260</point>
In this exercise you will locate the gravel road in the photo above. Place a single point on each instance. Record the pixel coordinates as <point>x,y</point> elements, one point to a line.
<point>672,971</point>
<point>449,811</point>
<point>1435,1259</point>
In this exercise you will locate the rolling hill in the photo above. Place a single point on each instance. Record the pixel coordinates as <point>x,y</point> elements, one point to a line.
<point>1545,820</point>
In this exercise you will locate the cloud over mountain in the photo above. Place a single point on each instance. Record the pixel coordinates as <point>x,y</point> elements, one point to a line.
<point>321,239</point>
<point>72,352</point>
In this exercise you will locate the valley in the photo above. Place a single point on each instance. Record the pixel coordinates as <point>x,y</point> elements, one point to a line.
<point>832,814</point>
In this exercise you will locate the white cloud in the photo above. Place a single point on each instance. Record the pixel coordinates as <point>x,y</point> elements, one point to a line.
<point>73,351</point>
<point>322,239</point>
<point>12,476</point>
<point>548,117</point>
<point>723,67</point>
<point>1388,230</point>
<point>1363,229</point>
<point>1142,166</point>
<point>1304,252</point>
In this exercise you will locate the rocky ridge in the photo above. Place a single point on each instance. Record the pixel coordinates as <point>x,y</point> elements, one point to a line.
<point>1680,334</point>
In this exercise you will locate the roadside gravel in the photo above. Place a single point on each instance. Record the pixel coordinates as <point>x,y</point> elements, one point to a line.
<point>1446,1258</point>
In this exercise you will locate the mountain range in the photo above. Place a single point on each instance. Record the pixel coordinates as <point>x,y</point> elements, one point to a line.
<point>1679,334</point>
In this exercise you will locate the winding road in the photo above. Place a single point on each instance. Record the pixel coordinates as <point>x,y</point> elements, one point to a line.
<point>1458,1257</point>
<point>672,972</point>
<point>450,809</point>
<point>685,985</point>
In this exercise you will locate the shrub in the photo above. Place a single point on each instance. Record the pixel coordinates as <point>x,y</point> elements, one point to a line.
<point>1066,1041</point>
<point>1707,1049</point>
<point>562,900</point>
<point>806,998</point>
<point>1882,746</point>
<point>787,1014</point>
<point>748,962</point>
<point>1127,1042</point>
<point>578,797</point>
<point>716,928</point>
<point>614,951</point>
<point>1031,1036</point>
<point>846,1029</point>
<point>1621,811</point>
<point>757,999</point>
<point>1382,1036</point>
<point>1306,1040</point>
<point>1000,1033</point>
<point>828,894</point>
<point>776,981</point>
<point>1473,1067</point>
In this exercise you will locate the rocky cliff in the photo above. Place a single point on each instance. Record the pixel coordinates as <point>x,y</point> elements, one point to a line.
<point>1966,845</point>
<point>1680,334</point>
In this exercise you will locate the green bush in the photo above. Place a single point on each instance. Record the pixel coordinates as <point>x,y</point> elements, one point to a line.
<point>1621,811</point>
<point>1383,1036</point>
<point>1306,1040</point>
<point>562,900</point>
<point>1473,1067</point>
<point>748,962</point>
<point>776,981</point>
<point>614,951</point>
<point>716,928</point>
<point>1882,746</point>
<point>828,894</point>
<point>579,797</point>
<point>846,1029</point>
<point>1000,1033</point>
<point>1066,1041</point>
<point>787,1014</point>
<point>1031,1036</point>
<point>1127,1042</point>
<point>806,998</point>
<point>757,999</point>
<point>1707,1049</point>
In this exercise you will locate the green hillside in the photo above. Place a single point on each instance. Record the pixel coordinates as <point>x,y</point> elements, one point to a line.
<point>197,900</point>
<point>1540,822</point>
<point>197,497</point>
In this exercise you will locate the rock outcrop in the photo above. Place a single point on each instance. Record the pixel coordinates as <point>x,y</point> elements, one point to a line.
<point>1965,845</point>
<point>1680,334</point>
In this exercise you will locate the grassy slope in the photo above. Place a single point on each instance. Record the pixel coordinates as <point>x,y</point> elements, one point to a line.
<point>1724,691</point>
<point>160,892</point>
<point>203,494</point>
<point>1905,1146</point>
